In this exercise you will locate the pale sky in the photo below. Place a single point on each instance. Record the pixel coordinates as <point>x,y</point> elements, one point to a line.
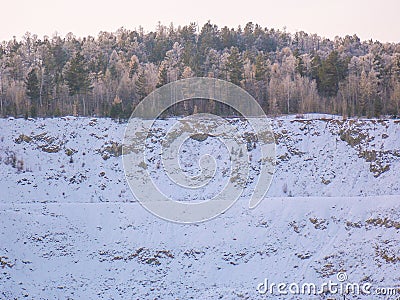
<point>329,18</point>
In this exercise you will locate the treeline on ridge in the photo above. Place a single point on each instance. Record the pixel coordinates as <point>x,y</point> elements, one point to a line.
<point>286,73</point>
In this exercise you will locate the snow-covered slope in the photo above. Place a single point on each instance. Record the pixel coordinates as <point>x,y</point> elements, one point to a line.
<point>71,229</point>
<point>78,159</point>
<point>120,251</point>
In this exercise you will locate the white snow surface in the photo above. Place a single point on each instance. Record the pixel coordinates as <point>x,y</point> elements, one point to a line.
<point>70,227</point>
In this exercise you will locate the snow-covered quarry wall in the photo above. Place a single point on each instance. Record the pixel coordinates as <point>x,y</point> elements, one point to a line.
<point>71,229</point>
<point>78,159</point>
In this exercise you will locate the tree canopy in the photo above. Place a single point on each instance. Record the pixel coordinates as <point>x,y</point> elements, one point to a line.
<point>286,73</point>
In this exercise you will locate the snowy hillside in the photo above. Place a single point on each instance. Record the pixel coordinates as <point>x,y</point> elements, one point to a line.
<point>120,251</point>
<point>78,159</point>
<point>71,229</point>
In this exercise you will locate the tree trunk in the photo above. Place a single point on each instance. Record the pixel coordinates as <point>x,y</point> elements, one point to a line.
<point>84,105</point>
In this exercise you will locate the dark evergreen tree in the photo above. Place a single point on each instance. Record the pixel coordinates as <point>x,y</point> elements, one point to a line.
<point>77,76</point>
<point>141,85</point>
<point>33,91</point>
<point>300,67</point>
<point>329,73</point>
<point>261,68</point>
<point>235,66</point>
<point>78,81</point>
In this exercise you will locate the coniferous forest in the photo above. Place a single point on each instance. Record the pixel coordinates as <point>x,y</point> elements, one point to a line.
<point>287,73</point>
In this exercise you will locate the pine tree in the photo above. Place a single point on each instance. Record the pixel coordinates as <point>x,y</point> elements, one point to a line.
<point>300,67</point>
<point>141,85</point>
<point>329,74</point>
<point>77,76</point>
<point>116,108</point>
<point>235,66</point>
<point>315,68</point>
<point>162,75</point>
<point>261,68</point>
<point>33,91</point>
